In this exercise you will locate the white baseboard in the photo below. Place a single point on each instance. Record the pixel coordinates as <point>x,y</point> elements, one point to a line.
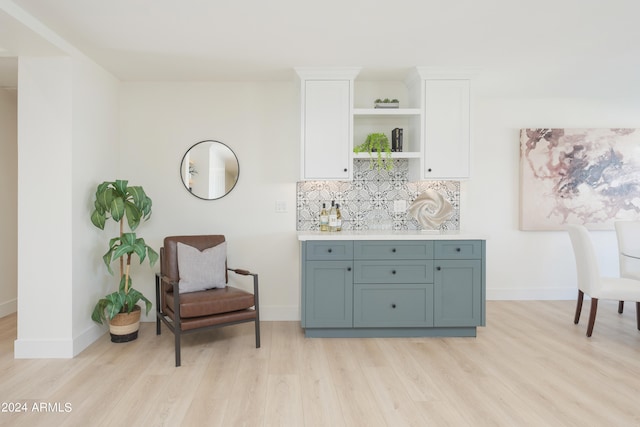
<point>8,307</point>
<point>45,349</point>
<point>56,349</point>
<point>87,338</point>
<point>532,294</point>
<point>271,313</point>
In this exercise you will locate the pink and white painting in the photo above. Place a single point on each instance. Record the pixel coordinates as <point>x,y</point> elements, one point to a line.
<point>578,176</point>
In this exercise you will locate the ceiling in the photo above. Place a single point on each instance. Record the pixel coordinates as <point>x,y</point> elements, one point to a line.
<point>570,47</point>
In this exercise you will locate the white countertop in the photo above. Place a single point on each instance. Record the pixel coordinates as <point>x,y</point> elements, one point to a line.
<point>389,235</point>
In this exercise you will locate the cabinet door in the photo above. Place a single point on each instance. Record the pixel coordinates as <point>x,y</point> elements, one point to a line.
<point>457,293</point>
<point>328,294</point>
<point>395,306</point>
<point>446,150</point>
<point>327,129</point>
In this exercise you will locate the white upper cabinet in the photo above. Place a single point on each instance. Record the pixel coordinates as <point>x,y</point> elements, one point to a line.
<point>326,110</point>
<point>337,114</point>
<point>446,99</point>
<point>446,134</point>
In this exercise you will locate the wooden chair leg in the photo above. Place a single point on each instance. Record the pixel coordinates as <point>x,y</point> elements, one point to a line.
<point>620,307</point>
<point>592,315</point>
<point>638,314</point>
<point>578,307</point>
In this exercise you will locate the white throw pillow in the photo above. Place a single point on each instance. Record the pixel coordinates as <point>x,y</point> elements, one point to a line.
<point>201,270</point>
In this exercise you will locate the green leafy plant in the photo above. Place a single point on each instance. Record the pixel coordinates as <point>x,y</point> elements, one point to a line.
<point>118,201</point>
<point>378,143</point>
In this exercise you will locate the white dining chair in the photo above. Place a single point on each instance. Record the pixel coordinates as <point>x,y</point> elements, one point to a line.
<point>628,235</point>
<point>591,283</point>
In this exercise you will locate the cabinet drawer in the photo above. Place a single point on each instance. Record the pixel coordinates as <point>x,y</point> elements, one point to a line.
<point>392,250</point>
<point>458,249</point>
<point>396,306</point>
<point>329,250</point>
<point>371,271</point>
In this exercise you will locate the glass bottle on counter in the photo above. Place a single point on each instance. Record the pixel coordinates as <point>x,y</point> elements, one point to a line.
<point>324,218</point>
<point>333,217</point>
<point>338,218</point>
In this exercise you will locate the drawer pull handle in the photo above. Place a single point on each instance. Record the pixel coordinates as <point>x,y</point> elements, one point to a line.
<point>329,250</point>
<point>393,250</point>
<point>393,272</point>
<point>458,249</point>
<point>438,268</point>
<point>393,305</point>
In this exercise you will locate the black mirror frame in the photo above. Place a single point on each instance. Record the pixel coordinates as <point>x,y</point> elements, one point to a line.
<point>186,184</point>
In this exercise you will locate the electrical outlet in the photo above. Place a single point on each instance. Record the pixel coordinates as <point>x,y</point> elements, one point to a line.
<point>399,206</point>
<point>281,206</point>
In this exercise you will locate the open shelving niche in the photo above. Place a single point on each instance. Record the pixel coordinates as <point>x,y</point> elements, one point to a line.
<point>408,117</point>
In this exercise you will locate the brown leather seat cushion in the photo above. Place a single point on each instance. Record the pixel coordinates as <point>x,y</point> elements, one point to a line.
<point>210,302</point>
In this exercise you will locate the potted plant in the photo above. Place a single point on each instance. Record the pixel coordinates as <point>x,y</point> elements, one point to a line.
<point>378,143</point>
<point>117,200</point>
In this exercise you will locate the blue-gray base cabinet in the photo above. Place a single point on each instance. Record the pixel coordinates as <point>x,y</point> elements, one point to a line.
<point>393,288</point>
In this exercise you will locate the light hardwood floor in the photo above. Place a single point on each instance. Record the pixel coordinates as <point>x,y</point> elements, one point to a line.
<point>530,366</point>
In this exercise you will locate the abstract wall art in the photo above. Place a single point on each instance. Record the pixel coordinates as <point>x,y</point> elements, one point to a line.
<point>580,176</point>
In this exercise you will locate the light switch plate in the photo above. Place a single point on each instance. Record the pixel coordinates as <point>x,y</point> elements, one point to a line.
<point>399,206</point>
<point>281,206</point>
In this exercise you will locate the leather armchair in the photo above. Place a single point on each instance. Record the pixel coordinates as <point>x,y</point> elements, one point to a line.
<point>198,311</point>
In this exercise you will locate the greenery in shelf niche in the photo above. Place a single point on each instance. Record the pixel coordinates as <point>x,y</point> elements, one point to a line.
<point>378,143</point>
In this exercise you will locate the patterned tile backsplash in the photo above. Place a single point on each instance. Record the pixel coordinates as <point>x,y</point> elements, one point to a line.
<point>367,202</point>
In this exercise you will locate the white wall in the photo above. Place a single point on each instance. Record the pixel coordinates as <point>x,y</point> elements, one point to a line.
<point>67,143</point>
<point>141,134</point>
<point>258,121</point>
<point>44,207</point>
<point>159,121</point>
<point>96,158</point>
<point>530,265</point>
<point>9,191</point>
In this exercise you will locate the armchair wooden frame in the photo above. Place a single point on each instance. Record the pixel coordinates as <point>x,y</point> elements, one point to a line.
<point>173,320</point>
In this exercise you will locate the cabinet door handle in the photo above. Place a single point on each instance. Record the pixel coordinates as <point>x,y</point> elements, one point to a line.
<point>348,268</point>
<point>438,268</point>
<point>329,250</point>
<point>393,305</point>
<point>429,170</point>
<point>345,169</point>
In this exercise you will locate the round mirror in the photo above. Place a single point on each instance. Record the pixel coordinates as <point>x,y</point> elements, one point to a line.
<point>209,170</point>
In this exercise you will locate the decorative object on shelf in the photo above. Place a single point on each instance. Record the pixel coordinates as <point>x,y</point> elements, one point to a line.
<point>430,209</point>
<point>396,140</point>
<point>386,103</point>
<point>117,200</point>
<point>378,143</point>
